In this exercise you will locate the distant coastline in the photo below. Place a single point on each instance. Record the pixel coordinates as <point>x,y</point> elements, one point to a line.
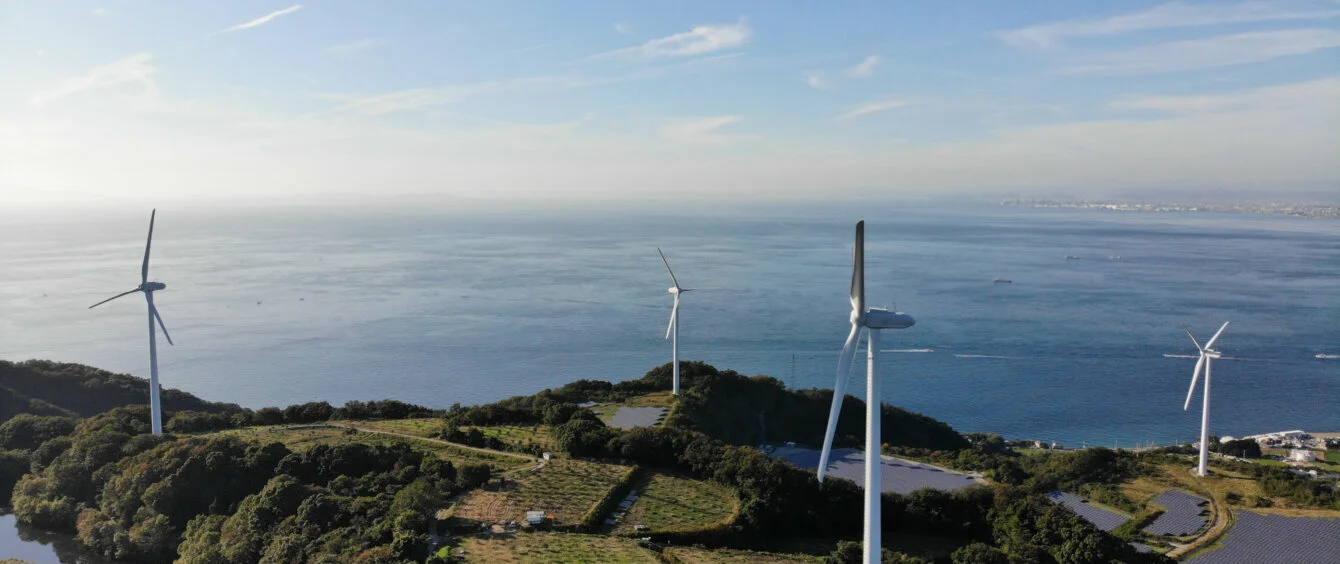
<point>1304,210</point>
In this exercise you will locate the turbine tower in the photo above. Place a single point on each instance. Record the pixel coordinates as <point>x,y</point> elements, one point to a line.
<point>149,288</point>
<point>1207,353</point>
<point>872,320</point>
<point>672,331</point>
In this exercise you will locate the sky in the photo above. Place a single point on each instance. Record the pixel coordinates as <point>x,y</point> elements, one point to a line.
<point>687,101</point>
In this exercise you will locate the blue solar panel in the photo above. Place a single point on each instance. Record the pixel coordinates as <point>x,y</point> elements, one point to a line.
<point>1186,514</point>
<point>898,475</point>
<point>1142,548</point>
<point>1276,538</point>
<point>1101,518</point>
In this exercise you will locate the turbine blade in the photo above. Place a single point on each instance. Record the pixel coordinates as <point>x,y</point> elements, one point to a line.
<point>113,298</point>
<point>1193,337</point>
<point>144,269</point>
<point>160,323</point>
<point>1210,344</point>
<point>1194,376</point>
<point>858,271</point>
<point>839,393</point>
<point>674,318</point>
<point>667,268</point>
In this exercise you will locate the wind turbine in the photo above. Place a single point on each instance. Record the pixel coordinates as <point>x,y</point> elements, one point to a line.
<point>872,320</point>
<point>1207,353</point>
<point>672,331</point>
<point>149,288</point>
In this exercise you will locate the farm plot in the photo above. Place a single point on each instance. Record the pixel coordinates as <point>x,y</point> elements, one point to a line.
<point>672,503</point>
<point>425,427</point>
<point>1275,538</point>
<point>564,488</point>
<point>727,556</point>
<point>555,548</point>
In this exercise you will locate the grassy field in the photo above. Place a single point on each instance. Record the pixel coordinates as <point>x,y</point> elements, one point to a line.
<point>564,488</point>
<point>671,503</point>
<point>606,411</point>
<point>429,427</point>
<point>542,435</point>
<point>555,548</point>
<point>726,556</point>
<point>302,437</point>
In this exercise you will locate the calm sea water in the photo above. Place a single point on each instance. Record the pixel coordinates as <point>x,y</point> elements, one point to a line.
<point>273,308</point>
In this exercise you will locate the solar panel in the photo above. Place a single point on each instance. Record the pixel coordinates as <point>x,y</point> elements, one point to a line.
<point>1276,538</point>
<point>1185,514</point>
<point>1101,518</point>
<point>898,475</point>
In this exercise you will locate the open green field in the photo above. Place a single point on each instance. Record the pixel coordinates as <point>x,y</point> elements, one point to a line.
<point>672,503</point>
<point>565,488</point>
<point>555,548</point>
<point>606,411</point>
<point>426,427</point>
<point>521,436</point>
<point>302,437</point>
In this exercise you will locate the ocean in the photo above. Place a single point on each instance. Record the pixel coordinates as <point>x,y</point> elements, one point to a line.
<point>439,307</point>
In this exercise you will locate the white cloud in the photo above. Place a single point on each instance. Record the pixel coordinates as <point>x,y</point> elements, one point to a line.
<point>864,68</point>
<point>1226,50</point>
<point>873,107</point>
<point>423,98</point>
<point>700,40</point>
<point>699,130</point>
<point>1272,97</point>
<point>100,12</point>
<point>816,81</point>
<point>624,28</point>
<point>352,47</point>
<point>267,18</point>
<point>1170,15</point>
<point>132,69</point>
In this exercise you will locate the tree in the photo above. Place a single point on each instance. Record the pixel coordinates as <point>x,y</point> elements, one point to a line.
<point>980,553</point>
<point>474,475</point>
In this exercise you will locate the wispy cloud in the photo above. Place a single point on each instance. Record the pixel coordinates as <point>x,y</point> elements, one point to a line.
<point>871,108</point>
<point>132,69</point>
<point>100,12</point>
<point>1170,15</point>
<point>1222,51</point>
<point>352,47</point>
<point>864,68</point>
<point>700,40</point>
<point>699,130</point>
<point>267,18</point>
<point>816,81</point>
<point>424,98</point>
<point>624,28</point>
<point>1271,97</point>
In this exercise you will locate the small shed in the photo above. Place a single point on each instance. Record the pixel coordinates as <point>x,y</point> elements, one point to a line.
<point>534,518</point>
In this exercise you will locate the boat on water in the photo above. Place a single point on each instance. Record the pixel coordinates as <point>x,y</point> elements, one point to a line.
<point>1002,281</point>
<point>1071,257</point>
<point>1325,356</point>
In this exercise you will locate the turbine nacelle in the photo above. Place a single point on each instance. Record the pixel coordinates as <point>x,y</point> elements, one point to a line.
<point>152,286</point>
<point>877,318</point>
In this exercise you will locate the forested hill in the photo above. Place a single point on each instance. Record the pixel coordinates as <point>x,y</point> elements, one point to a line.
<point>42,387</point>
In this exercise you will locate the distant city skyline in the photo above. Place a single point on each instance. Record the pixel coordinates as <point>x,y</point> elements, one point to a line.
<point>608,101</point>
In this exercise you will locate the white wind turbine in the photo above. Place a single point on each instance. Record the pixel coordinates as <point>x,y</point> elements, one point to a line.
<point>149,288</point>
<point>672,331</point>
<point>873,320</point>
<point>1207,353</point>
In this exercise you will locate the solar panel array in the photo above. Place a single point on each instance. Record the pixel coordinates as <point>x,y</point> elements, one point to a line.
<point>1142,548</point>
<point>1276,538</point>
<point>1101,518</point>
<point>897,475</point>
<point>1186,515</point>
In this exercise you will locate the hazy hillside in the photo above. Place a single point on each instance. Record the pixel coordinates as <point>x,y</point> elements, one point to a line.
<point>42,387</point>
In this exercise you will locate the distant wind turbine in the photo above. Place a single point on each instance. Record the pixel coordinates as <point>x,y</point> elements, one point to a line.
<point>873,320</point>
<point>672,331</point>
<point>1207,353</point>
<point>149,288</point>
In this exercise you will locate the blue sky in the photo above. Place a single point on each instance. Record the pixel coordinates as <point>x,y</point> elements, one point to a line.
<point>630,100</point>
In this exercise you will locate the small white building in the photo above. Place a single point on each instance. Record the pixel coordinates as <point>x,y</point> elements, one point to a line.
<point>534,518</point>
<point>1302,455</point>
